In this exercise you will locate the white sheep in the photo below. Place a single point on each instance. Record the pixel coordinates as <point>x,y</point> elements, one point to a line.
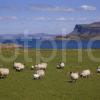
<point>42,66</point>
<point>98,69</point>
<point>19,66</point>
<point>74,76</point>
<point>41,73</point>
<point>36,76</point>
<point>61,65</point>
<point>4,72</point>
<point>85,73</point>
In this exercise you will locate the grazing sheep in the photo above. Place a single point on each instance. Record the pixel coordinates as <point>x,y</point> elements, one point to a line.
<point>74,76</point>
<point>42,66</point>
<point>98,69</point>
<point>41,73</point>
<point>85,73</point>
<point>61,65</point>
<point>19,66</point>
<point>4,72</point>
<point>36,76</point>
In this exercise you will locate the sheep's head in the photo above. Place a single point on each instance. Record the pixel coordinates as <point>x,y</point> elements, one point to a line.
<point>71,72</point>
<point>32,67</point>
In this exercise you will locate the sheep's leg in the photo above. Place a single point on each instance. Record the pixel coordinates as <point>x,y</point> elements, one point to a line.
<point>74,80</point>
<point>87,76</point>
<point>44,69</point>
<point>1,76</point>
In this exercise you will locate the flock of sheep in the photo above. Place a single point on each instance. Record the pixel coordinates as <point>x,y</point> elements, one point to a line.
<point>40,71</point>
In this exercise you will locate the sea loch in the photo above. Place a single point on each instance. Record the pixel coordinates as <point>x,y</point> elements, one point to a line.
<point>54,44</point>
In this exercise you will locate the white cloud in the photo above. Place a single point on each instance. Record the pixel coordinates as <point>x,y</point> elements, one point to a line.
<point>63,9</point>
<point>65,19</point>
<point>49,8</point>
<point>42,18</point>
<point>88,8</point>
<point>52,9</point>
<point>61,19</point>
<point>82,19</point>
<point>2,18</point>
<point>13,17</point>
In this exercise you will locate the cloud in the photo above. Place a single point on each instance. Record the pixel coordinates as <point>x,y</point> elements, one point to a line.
<point>71,19</point>
<point>63,9</point>
<point>59,19</point>
<point>5,18</point>
<point>52,9</point>
<point>41,18</point>
<point>44,18</point>
<point>88,8</point>
<point>65,19</point>
<point>48,8</point>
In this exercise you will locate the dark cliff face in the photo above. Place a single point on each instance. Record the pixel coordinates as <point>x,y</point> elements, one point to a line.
<point>84,31</point>
<point>87,29</point>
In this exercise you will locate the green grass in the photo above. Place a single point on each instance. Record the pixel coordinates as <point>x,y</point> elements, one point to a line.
<point>55,85</point>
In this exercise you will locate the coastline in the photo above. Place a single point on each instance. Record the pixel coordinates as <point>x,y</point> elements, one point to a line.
<point>10,45</point>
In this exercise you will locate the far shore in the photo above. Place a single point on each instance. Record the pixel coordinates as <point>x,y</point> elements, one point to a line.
<point>10,45</point>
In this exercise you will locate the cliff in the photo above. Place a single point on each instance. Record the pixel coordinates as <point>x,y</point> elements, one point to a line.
<point>85,31</point>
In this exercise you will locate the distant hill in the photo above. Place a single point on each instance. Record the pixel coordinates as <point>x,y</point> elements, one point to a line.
<point>22,35</point>
<point>42,36</point>
<point>84,31</point>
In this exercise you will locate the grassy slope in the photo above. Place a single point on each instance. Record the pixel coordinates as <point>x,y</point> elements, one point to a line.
<point>55,85</point>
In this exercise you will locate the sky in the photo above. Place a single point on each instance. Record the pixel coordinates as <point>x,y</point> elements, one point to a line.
<point>46,16</point>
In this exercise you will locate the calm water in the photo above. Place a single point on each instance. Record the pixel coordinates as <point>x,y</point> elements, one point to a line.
<point>54,44</point>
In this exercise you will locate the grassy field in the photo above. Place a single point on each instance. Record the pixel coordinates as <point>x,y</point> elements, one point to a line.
<point>55,85</point>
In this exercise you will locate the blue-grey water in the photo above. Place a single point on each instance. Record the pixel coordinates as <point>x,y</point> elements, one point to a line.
<point>54,44</point>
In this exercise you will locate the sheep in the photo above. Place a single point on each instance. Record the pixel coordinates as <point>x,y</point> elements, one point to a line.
<point>85,73</point>
<point>98,69</point>
<point>19,66</point>
<point>36,76</point>
<point>41,73</point>
<point>61,65</point>
<point>4,72</point>
<point>74,76</point>
<point>42,66</point>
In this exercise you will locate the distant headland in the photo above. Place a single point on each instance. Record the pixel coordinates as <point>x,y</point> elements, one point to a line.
<point>83,32</point>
